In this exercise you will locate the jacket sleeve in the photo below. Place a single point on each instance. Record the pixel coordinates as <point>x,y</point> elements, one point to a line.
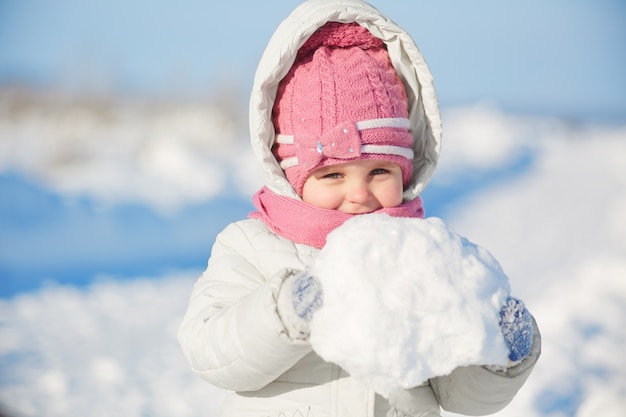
<point>232,334</point>
<point>478,390</point>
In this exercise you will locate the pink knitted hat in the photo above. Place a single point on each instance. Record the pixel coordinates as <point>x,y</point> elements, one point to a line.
<point>341,101</point>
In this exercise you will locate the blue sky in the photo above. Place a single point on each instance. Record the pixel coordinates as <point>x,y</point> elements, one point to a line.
<point>559,57</point>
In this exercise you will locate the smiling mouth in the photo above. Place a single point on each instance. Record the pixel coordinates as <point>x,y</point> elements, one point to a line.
<point>361,210</point>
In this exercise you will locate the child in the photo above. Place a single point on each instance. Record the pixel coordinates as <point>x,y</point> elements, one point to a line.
<point>345,121</point>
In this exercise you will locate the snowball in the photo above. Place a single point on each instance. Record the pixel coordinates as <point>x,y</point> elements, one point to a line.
<point>406,300</point>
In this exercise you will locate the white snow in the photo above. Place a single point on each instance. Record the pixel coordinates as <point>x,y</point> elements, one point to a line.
<point>166,154</point>
<point>560,233</point>
<point>406,300</point>
<point>108,350</point>
<point>558,230</point>
<point>469,139</point>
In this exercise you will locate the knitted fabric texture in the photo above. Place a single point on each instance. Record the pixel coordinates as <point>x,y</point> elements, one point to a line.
<point>341,101</point>
<point>304,223</point>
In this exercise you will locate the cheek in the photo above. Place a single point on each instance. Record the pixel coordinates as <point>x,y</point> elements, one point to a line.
<point>319,196</point>
<point>393,194</point>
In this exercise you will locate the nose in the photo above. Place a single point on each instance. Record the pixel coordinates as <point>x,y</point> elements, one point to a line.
<point>359,192</point>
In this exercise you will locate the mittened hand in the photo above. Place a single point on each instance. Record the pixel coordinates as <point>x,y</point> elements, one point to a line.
<point>307,295</point>
<point>517,327</point>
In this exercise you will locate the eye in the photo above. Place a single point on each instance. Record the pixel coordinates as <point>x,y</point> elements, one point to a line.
<point>332,175</point>
<point>379,171</point>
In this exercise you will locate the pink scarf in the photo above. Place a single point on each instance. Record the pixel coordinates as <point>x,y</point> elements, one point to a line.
<point>303,223</point>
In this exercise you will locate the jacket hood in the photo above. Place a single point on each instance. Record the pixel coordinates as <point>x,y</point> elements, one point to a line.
<point>406,58</point>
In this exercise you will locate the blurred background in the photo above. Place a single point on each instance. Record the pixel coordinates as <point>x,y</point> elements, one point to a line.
<point>124,150</point>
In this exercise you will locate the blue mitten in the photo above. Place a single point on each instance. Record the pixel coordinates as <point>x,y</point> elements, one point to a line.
<point>517,327</point>
<point>307,295</point>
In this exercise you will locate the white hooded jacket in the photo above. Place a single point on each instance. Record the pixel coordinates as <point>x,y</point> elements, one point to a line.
<point>237,333</point>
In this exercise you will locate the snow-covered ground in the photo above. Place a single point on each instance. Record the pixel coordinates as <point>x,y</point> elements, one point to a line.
<point>556,225</point>
<point>165,154</point>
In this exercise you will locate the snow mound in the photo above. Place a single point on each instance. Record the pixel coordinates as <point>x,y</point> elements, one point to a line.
<point>406,300</point>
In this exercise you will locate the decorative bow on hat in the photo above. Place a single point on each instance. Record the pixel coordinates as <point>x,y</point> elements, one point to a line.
<point>341,142</point>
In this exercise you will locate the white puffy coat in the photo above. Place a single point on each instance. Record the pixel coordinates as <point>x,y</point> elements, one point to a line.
<point>236,333</point>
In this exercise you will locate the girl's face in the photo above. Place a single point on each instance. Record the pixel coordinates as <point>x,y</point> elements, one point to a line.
<point>355,187</point>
